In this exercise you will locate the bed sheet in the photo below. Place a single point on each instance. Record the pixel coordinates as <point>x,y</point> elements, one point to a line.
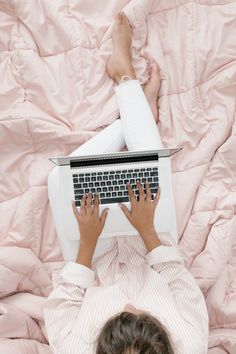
<point>55,95</point>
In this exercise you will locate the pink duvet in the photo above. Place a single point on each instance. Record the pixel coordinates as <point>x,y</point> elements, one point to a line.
<point>55,94</point>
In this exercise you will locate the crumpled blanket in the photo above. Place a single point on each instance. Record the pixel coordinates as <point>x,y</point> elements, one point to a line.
<point>55,95</point>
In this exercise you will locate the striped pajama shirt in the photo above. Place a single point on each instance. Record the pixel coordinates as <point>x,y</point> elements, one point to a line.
<point>157,282</point>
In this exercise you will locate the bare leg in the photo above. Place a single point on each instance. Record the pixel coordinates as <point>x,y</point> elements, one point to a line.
<point>120,62</point>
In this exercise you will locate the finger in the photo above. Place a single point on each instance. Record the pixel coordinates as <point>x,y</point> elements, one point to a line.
<point>104,216</point>
<point>96,204</point>
<point>131,194</point>
<point>141,191</point>
<point>157,197</point>
<point>125,211</point>
<point>82,205</point>
<point>89,202</point>
<point>148,191</point>
<point>75,211</point>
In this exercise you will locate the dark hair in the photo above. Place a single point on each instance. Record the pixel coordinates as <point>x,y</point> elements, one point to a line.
<point>128,333</point>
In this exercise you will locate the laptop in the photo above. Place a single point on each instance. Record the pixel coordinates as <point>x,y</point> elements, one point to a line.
<point>108,175</point>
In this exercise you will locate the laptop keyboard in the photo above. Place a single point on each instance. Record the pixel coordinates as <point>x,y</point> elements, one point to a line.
<point>111,186</point>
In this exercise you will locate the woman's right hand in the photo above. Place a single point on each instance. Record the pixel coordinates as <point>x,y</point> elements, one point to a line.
<point>142,211</point>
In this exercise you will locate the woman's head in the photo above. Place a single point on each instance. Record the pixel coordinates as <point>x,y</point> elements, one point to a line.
<point>130,333</point>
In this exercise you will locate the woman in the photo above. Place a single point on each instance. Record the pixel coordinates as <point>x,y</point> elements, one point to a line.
<point>136,297</point>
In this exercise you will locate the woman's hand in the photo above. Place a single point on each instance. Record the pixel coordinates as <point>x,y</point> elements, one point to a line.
<point>90,224</point>
<point>142,212</point>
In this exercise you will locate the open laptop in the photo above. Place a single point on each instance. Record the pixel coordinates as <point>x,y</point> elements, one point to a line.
<point>108,175</point>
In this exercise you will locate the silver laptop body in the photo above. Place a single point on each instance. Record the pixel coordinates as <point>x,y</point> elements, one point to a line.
<point>108,174</point>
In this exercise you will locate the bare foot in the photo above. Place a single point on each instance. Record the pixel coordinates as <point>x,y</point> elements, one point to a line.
<point>151,89</point>
<point>120,62</point>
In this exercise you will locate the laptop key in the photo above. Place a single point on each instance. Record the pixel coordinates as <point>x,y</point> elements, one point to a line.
<point>87,179</point>
<point>77,203</point>
<point>114,183</point>
<point>80,191</point>
<point>155,179</point>
<point>104,189</point>
<point>99,189</point>
<point>108,194</point>
<point>77,186</point>
<point>120,182</point>
<point>153,185</point>
<point>75,180</point>
<point>103,183</point>
<point>119,199</point>
<point>102,195</point>
<point>77,191</point>
<point>78,197</point>
<point>119,193</point>
<point>110,188</point>
<point>113,194</point>
<point>116,188</point>
<point>81,180</point>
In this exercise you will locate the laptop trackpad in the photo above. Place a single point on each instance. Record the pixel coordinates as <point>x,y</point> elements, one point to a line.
<point>117,223</point>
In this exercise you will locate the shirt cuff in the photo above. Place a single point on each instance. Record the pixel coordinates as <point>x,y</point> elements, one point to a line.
<point>164,254</point>
<point>77,274</point>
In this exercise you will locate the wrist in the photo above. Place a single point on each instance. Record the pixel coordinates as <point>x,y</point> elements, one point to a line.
<point>151,239</point>
<point>85,254</point>
<point>149,233</point>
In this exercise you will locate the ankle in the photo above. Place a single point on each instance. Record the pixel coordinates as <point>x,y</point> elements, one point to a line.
<point>130,73</point>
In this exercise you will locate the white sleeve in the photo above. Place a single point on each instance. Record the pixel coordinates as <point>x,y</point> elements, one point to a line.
<point>63,304</point>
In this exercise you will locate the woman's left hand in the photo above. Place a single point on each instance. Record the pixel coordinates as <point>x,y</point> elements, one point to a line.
<point>90,224</point>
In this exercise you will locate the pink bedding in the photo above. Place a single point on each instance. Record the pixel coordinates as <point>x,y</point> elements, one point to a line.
<point>55,94</point>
